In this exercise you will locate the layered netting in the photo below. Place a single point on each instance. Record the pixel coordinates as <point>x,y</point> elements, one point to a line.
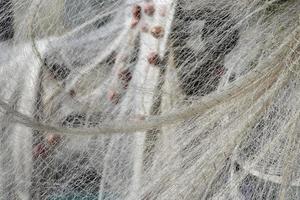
<point>149,100</point>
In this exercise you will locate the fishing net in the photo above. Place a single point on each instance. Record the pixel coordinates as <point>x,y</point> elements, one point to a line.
<point>156,99</point>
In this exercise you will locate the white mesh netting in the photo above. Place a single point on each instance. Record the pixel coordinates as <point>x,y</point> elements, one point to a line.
<point>153,99</point>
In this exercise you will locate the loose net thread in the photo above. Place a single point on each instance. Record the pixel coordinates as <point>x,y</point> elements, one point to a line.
<point>153,99</point>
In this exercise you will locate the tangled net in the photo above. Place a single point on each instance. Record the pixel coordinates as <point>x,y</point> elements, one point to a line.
<point>154,99</point>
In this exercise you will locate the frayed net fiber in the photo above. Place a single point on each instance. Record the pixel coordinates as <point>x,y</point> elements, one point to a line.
<point>149,100</point>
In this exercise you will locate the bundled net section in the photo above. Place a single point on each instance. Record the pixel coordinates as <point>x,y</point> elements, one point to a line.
<point>154,99</point>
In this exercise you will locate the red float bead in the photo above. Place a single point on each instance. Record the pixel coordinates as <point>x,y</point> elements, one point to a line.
<point>40,150</point>
<point>136,15</point>
<point>136,11</point>
<point>53,139</point>
<point>139,117</point>
<point>113,96</point>
<point>162,10</point>
<point>125,76</point>
<point>157,31</point>
<point>72,93</point>
<point>145,27</point>
<point>134,22</point>
<point>149,8</point>
<point>219,72</point>
<point>153,58</point>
